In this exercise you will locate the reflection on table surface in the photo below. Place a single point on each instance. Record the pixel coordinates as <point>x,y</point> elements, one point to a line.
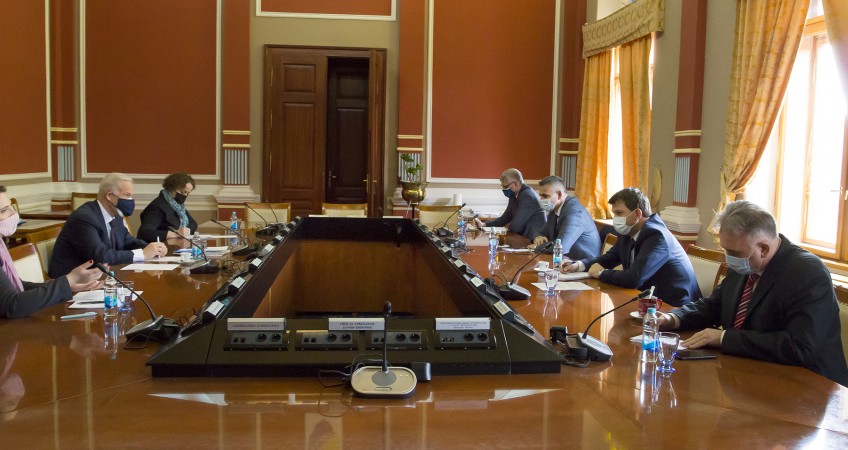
<point>59,388</point>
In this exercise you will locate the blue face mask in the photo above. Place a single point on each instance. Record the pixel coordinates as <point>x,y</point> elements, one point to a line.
<point>508,193</point>
<point>740,265</point>
<point>125,206</point>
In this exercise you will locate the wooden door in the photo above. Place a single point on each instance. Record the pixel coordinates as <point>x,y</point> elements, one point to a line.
<point>295,131</point>
<point>347,130</point>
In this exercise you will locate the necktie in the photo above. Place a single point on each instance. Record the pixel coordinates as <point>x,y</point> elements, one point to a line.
<point>747,292</point>
<point>113,240</point>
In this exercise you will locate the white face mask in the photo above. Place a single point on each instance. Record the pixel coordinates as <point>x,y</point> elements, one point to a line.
<point>620,224</point>
<point>9,225</point>
<point>740,265</point>
<point>547,204</point>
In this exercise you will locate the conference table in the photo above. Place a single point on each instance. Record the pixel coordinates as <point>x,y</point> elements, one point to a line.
<point>60,388</point>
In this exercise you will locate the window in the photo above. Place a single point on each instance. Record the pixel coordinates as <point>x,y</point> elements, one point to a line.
<point>801,177</point>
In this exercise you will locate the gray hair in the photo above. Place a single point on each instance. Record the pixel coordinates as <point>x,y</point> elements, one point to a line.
<point>512,174</point>
<point>554,181</point>
<point>745,218</point>
<point>111,181</point>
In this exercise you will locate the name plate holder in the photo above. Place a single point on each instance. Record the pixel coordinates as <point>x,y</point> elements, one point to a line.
<point>356,324</point>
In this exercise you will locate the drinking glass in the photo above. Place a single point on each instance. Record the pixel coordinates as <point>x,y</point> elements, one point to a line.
<point>667,343</point>
<point>126,296</point>
<point>551,280</point>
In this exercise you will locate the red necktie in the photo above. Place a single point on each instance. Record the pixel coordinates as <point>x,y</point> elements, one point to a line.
<point>743,302</point>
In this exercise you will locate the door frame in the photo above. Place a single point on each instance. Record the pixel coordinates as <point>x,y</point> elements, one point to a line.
<point>376,119</point>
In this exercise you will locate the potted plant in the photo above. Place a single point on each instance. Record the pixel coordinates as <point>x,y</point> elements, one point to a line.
<point>412,189</point>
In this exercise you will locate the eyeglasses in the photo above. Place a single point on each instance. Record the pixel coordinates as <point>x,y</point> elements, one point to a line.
<point>507,185</point>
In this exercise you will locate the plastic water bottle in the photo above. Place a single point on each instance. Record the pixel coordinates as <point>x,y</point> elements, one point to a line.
<point>110,296</point>
<point>196,251</point>
<point>493,245</point>
<point>460,231</point>
<point>649,336</point>
<point>558,254</point>
<point>234,226</point>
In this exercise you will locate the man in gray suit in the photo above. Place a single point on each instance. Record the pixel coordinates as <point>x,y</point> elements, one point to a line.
<point>567,221</point>
<point>523,213</point>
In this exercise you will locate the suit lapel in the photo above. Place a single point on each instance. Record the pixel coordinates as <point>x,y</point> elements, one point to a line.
<point>774,268</point>
<point>731,293</point>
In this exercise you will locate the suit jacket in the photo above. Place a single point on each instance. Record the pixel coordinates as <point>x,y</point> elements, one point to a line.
<point>660,262</point>
<point>157,217</point>
<point>792,317</point>
<point>575,229</point>
<point>35,296</point>
<point>85,236</point>
<point>523,214</point>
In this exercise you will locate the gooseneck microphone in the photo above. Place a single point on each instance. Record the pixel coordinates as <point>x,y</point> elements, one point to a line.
<point>205,266</point>
<point>247,248</point>
<point>276,219</point>
<point>385,381</point>
<point>150,328</point>
<point>444,230</point>
<point>597,350</point>
<point>268,228</point>
<point>513,291</point>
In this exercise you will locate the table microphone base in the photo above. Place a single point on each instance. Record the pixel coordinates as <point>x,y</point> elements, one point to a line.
<point>512,291</point>
<point>149,329</point>
<point>246,250</point>
<point>204,267</point>
<point>372,382</point>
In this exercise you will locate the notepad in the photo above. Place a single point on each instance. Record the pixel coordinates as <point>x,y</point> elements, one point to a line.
<point>566,286</point>
<point>143,266</point>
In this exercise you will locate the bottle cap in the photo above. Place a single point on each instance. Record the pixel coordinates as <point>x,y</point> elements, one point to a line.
<point>559,241</point>
<point>652,310</point>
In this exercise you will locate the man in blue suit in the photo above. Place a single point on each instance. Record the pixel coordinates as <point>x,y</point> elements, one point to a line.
<point>647,251</point>
<point>567,221</point>
<point>96,231</point>
<point>523,214</point>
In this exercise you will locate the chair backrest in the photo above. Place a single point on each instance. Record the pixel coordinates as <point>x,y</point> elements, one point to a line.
<point>707,264</point>
<point>266,212</point>
<point>842,300</point>
<point>44,242</point>
<point>345,209</point>
<point>432,215</point>
<point>609,241</point>
<point>15,205</point>
<point>78,198</point>
<point>27,263</point>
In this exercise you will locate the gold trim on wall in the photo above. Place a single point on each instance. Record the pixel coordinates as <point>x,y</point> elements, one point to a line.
<point>59,142</point>
<point>683,133</point>
<point>235,145</point>
<point>236,132</point>
<point>63,130</point>
<point>410,136</point>
<point>569,140</point>
<point>679,151</point>
<point>410,149</point>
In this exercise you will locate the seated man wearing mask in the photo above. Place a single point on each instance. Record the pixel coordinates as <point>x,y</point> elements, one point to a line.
<point>96,231</point>
<point>523,215</point>
<point>567,221</point>
<point>648,252</point>
<point>168,210</point>
<point>19,298</point>
<point>776,304</point>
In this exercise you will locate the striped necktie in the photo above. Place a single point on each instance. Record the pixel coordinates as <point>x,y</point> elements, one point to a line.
<point>747,292</point>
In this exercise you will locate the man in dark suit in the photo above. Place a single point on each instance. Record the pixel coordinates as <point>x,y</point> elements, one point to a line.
<point>567,221</point>
<point>776,304</point>
<point>96,231</point>
<point>648,252</point>
<point>523,214</point>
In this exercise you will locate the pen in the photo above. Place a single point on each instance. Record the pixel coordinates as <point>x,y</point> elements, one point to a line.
<point>157,241</point>
<point>79,316</point>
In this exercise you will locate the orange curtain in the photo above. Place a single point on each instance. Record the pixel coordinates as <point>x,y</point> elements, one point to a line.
<point>767,37</point>
<point>634,61</point>
<point>594,126</point>
<point>836,16</point>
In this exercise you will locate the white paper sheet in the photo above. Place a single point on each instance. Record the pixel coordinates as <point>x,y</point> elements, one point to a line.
<point>142,266</point>
<point>566,286</point>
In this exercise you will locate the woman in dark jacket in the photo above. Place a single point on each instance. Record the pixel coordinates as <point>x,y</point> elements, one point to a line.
<point>168,210</point>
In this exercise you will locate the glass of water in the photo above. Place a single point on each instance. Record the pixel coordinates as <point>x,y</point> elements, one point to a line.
<point>667,345</point>
<point>551,280</point>
<point>125,295</point>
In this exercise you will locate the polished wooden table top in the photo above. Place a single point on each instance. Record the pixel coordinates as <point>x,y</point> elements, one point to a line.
<point>59,388</point>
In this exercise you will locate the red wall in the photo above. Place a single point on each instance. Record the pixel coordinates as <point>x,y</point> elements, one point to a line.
<point>150,86</point>
<point>23,75</point>
<point>355,7</point>
<point>492,84</point>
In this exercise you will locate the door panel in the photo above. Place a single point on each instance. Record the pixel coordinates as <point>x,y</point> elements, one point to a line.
<point>295,141</point>
<point>347,130</point>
